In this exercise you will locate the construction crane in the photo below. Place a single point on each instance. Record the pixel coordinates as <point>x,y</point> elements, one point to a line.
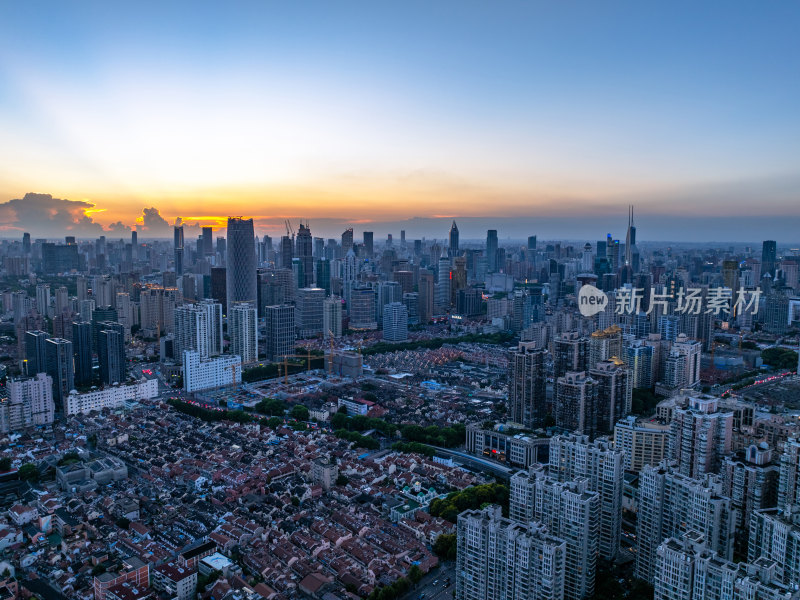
<point>233,372</point>
<point>286,358</point>
<point>289,229</point>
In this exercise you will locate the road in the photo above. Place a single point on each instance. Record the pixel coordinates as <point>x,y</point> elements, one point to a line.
<point>438,591</point>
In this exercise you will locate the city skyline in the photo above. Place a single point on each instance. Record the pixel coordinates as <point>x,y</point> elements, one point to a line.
<point>378,115</point>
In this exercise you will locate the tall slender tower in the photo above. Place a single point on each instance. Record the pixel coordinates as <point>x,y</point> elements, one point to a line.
<point>304,250</point>
<point>241,262</point>
<point>453,240</point>
<point>178,238</point>
<point>630,238</point>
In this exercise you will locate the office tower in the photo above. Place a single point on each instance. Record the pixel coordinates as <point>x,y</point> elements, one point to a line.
<point>491,251</point>
<point>219,285</point>
<point>453,250</point>
<point>776,312</point>
<point>750,480</point>
<point>280,330</point>
<point>35,352</point>
<point>111,353</point>
<point>458,278</point>
<point>369,247</point>
<point>135,244</point>
<point>443,281</point>
<point>426,296</point>
<point>395,322</point>
<point>639,357</point>
<point>26,243</point>
<point>700,436</point>
<point>576,395</point>
<point>305,252</point>
<point>347,240</point>
<point>241,262</point>
<point>630,238</point>
<point>361,309</point>
<point>243,330</point>
<point>614,394</point>
<point>82,352</point>
<point>387,292</point>
<point>198,327</point>
<point>208,241</point>
<point>570,353</point>
<point>319,248</point>
<point>178,246</point>
<point>101,314</point>
<point>769,257</point>
<point>324,275</point>
<point>286,252</point>
<point>332,317</point>
<point>574,456</point>
<point>411,300</point>
<point>532,243</point>
<point>671,504</point>
<point>499,559</point>
<point>570,512</point>
<point>308,314</point>
<point>527,385</point>
<point>58,353</point>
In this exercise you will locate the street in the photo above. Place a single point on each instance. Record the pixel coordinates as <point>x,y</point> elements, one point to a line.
<point>438,591</point>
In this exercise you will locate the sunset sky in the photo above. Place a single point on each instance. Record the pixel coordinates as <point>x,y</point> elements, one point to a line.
<point>375,112</point>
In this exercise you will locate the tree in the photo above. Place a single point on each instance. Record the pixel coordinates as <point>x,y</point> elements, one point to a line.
<point>342,480</point>
<point>29,472</point>
<point>445,546</point>
<point>339,421</point>
<point>274,422</point>
<point>779,358</point>
<point>5,464</point>
<point>299,412</point>
<point>123,522</point>
<point>415,574</point>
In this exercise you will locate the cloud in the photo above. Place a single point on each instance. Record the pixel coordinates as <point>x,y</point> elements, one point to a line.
<point>152,223</point>
<point>45,216</point>
<point>119,227</point>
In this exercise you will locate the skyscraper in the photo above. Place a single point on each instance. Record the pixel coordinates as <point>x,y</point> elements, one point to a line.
<point>614,394</point>
<point>178,246</point>
<point>701,435</point>
<point>243,330</point>
<point>570,512</point>
<point>308,312</point>
<point>573,457</point>
<point>332,317</point>
<point>241,262</point>
<point>35,352</point>
<point>60,368</point>
<point>454,250</point>
<point>347,240</point>
<point>280,330</point>
<point>769,256</point>
<point>491,251</point>
<point>304,245</point>
<point>395,322</point>
<point>527,393</point>
<point>574,406</point>
<point>208,241</point>
<point>369,244</point>
<point>111,353</point>
<point>500,559</point>
<point>198,327</point>
<point>82,351</point>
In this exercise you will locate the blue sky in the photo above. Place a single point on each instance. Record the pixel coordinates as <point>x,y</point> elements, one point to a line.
<point>383,111</point>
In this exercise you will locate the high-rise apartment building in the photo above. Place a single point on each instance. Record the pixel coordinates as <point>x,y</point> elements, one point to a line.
<point>574,406</point>
<point>701,435</point>
<point>672,504</point>
<point>500,559</point>
<point>35,357</point>
<point>575,456</point>
<point>82,348</point>
<point>111,353</point>
<point>332,317</point>
<point>243,331</point>
<point>527,385</point>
